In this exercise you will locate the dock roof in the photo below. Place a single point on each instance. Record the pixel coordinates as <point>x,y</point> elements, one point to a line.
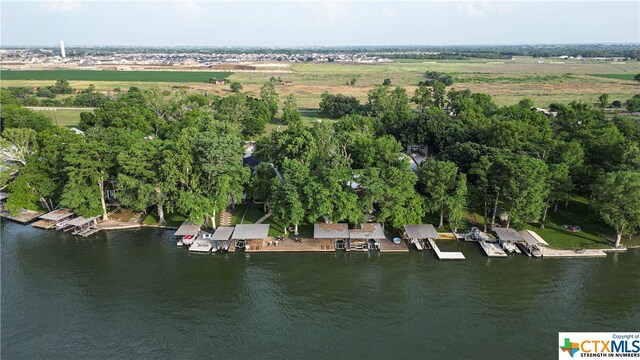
<point>507,234</point>
<point>530,237</point>
<point>250,231</point>
<point>79,221</point>
<point>57,215</point>
<point>222,233</point>
<point>330,231</point>
<point>368,231</point>
<point>187,228</point>
<point>421,231</point>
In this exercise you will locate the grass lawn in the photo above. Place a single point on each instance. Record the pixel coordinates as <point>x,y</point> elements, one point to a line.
<point>626,76</point>
<point>173,220</point>
<point>64,117</point>
<point>594,234</point>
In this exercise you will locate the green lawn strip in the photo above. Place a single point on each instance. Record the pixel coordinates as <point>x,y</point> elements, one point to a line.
<point>626,76</point>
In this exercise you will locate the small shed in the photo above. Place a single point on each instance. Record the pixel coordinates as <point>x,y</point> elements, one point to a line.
<point>339,233</point>
<point>366,238</point>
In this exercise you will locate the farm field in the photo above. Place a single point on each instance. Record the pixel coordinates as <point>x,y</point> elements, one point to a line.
<point>64,117</point>
<point>506,81</point>
<point>109,75</point>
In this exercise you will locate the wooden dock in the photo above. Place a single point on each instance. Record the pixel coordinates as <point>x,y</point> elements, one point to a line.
<point>445,255</point>
<point>24,217</point>
<point>290,245</point>
<point>388,246</point>
<point>492,249</point>
<point>44,224</point>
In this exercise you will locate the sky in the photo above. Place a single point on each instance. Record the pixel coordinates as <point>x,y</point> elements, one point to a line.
<point>309,23</point>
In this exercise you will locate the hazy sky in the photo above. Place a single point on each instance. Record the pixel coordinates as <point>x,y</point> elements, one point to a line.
<point>291,23</point>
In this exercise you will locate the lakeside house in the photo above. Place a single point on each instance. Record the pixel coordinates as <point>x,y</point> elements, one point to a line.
<point>338,233</point>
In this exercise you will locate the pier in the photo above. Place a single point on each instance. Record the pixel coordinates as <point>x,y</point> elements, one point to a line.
<point>492,249</point>
<point>388,246</point>
<point>290,245</point>
<point>445,255</point>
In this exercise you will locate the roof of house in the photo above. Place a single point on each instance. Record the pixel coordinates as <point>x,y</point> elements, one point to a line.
<point>222,233</point>
<point>507,234</point>
<point>79,221</point>
<point>421,231</point>
<point>250,231</point>
<point>368,231</point>
<point>57,215</point>
<point>251,161</point>
<point>331,231</point>
<point>188,228</point>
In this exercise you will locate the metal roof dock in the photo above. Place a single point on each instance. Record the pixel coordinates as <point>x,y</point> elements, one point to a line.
<point>250,231</point>
<point>331,231</point>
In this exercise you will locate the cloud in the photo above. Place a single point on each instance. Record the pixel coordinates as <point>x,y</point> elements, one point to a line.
<point>61,6</point>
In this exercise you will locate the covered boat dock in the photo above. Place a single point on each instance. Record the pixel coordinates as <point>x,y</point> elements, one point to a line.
<point>508,237</point>
<point>187,229</point>
<point>221,238</point>
<point>366,238</point>
<point>418,234</point>
<point>250,236</point>
<point>337,233</point>
<point>49,220</point>
<point>84,226</point>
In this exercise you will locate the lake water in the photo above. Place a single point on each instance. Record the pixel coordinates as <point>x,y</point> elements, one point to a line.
<point>134,294</point>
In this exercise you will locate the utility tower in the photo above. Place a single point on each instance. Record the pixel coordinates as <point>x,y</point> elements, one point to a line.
<point>62,49</point>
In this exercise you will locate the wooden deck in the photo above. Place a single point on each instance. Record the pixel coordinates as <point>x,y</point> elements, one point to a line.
<point>289,245</point>
<point>232,246</point>
<point>388,246</point>
<point>23,217</point>
<point>44,224</point>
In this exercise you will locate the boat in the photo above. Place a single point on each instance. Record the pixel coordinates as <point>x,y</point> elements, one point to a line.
<point>62,224</point>
<point>188,239</point>
<point>476,235</point>
<point>508,246</point>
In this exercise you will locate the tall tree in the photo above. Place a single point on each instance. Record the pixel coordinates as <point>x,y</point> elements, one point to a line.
<point>290,113</point>
<point>437,182</point>
<point>617,196</point>
<point>269,95</point>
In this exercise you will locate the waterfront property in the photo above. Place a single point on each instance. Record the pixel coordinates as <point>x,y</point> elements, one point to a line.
<point>367,238</point>
<point>337,233</point>
<point>56,218</point>
<point>221,239</point>
<point>248,236</point>
<point>201,244</point>
<point>418,234</point>
<point>508,237</point>
<point>83,226</point>
<point>187,233</point>
<point>530,244</point>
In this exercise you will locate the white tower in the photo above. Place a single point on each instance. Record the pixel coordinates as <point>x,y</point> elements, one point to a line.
<point>62,49</point>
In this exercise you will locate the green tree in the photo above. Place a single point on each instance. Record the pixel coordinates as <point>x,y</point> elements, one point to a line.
<point>422,97</point>
<point>617,196</point>
<point>386,82</point>
<point>269,95</point>
<point>633,104</point>
<point>259,187</point>
<point>603,101</point>
<point>439,94</point>
<point>637,78</point>
<point>290,114</point>
<point>456,203</point>
<point>437,182</point>
<point>235,87</point>
<point>287,206</point>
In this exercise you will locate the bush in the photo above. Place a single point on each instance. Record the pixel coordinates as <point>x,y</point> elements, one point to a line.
<point>616,104</point>
<point>433,76</point>
<point>633,104</point>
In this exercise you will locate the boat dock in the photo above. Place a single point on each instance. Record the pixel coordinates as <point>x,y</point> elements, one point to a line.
<point>445,255</point>
<point>24,217</point>
<point>203,246</point>
<point>49,220</point>
<point>290,245</point>
<point>586,253</point>
<point>492,249</point>
<point>388,246</point>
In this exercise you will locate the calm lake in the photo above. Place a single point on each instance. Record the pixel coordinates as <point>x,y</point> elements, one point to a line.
<point>134,294</point>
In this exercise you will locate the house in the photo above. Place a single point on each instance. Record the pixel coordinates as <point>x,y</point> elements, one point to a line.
<point>339,233</point>
<point>366,238</point>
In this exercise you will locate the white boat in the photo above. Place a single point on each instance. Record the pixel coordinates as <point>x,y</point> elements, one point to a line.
<point>508,246</point>
<point>61,225</point>
<point>477,235</point>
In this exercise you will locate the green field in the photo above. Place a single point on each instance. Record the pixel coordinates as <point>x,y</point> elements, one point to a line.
<point>109,75</point>
<point>616,76</point>
<point>64,117</point>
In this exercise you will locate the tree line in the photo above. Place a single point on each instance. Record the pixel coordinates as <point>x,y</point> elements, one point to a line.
<point>183,154</point>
